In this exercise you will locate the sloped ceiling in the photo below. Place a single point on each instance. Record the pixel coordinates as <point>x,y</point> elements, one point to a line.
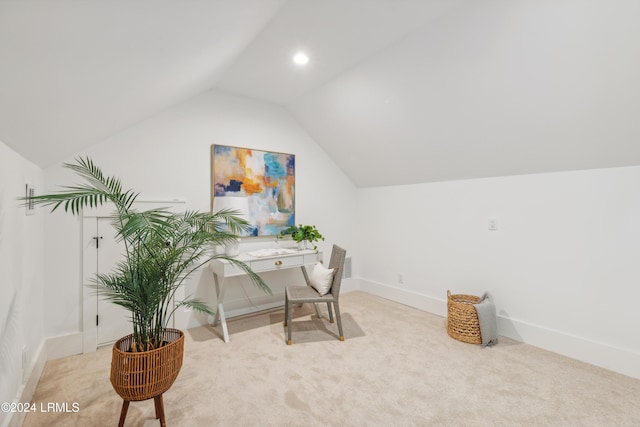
<point>396,91</point>
<point>75,72</point>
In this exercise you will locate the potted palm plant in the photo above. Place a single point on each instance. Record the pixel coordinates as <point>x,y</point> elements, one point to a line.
<point>161,250</point>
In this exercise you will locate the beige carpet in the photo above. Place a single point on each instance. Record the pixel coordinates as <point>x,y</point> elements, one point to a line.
<point>397,367</point>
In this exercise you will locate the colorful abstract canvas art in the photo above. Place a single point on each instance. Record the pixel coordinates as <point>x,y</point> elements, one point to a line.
<point>259,184</point>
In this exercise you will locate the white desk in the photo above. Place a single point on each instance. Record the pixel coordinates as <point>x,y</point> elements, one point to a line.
<point>223,269</point>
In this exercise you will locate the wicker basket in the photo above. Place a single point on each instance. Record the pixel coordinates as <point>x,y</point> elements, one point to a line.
<point>462,318</point>
<point>147,374</point>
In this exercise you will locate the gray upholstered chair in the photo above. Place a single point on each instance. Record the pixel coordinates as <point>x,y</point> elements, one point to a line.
<point>307,294</point>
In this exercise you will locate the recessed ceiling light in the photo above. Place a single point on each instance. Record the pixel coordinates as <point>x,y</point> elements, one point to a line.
<point>300,58</point>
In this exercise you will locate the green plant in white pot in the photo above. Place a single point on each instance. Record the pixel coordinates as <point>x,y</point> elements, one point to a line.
<point>161,250</point>
<point>304,235</point>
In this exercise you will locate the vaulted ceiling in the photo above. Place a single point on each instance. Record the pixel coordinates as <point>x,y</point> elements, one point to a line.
<point>396,91</point>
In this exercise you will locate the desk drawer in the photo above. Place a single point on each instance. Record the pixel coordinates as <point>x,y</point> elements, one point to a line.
<point>277,263</point>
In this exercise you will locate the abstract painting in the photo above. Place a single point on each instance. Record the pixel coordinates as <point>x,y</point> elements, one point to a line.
<point>260,184</point>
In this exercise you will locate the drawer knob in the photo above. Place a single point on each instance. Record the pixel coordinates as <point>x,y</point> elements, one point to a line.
<point>278,262</point>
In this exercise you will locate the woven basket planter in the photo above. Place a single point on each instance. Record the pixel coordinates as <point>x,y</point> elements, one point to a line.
<point>462,318</point>
<point>147,374</point>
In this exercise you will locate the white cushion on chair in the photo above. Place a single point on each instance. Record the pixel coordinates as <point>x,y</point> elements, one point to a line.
<point>321,278</point>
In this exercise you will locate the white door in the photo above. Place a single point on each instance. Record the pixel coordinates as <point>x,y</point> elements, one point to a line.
<point>102,252</point>
<point>113,321</point>
<point>103,321</point>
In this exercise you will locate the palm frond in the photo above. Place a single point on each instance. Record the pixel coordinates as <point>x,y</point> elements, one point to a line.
<point>97,190</point>
<point>197,305</point>
<point>230,219</point>
<point>162,249</point>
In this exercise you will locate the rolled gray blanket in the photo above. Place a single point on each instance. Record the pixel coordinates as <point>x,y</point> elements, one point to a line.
<point>487,319</point>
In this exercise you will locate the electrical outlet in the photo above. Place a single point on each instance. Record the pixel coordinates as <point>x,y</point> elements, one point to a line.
<point>493,224</point>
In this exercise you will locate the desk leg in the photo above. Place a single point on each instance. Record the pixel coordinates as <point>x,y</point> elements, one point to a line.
<point>220,312</point>
<point>223,322</point>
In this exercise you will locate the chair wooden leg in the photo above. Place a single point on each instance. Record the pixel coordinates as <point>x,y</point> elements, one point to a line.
<point>123,412</point>
<point>330,312</point>
<point>337,307</point>
<point>289,318</point>
<point>159,403</point>
<point>315,306</point>
<point>286,307</point>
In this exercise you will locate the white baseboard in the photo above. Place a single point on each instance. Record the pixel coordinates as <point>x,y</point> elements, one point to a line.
<point>596,353</point>
<point>615,359</point>
<point>64,345</point>
<point>241,311</point>
<point>348,285</point>
<point>26,391</point>
<point>403,296</point>
<point>50,349</point>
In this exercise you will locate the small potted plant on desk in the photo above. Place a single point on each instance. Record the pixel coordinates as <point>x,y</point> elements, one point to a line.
<point>304,235</point>
<point>161,250</point>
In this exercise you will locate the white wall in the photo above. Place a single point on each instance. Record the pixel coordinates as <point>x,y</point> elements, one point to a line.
<point>562,266</point>
<point>21,278</point>
<point>167,157</point>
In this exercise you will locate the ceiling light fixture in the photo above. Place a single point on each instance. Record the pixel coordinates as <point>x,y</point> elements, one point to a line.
<point>301,58</point>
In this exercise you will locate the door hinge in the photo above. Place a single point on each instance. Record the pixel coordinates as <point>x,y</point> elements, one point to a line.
<point>97,320</point>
